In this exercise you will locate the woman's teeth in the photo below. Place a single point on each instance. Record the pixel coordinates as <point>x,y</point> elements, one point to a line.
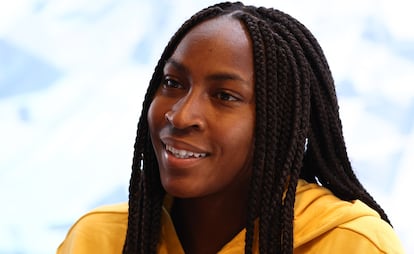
<point>183,154</point>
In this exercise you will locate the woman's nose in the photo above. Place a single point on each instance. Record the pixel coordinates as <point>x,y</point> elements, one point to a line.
<point>188,113</point>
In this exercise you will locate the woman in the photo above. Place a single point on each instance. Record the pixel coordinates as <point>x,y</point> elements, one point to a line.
<point>239,148</point>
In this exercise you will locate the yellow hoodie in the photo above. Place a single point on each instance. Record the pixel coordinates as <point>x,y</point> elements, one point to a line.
<point>323,224</point>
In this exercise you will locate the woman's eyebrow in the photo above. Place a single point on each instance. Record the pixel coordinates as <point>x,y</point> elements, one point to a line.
<point>223,76</point>
<point>218,76</point>
<point>177,65</point>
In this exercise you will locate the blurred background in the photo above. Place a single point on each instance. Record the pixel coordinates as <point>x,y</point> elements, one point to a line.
<point>72,78</point>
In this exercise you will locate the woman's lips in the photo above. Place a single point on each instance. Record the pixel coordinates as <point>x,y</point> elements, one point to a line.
<point>183,154</point>
<point>178,155</point>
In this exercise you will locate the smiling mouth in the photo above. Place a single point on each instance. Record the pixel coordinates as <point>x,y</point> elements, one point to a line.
<point>184,154</point>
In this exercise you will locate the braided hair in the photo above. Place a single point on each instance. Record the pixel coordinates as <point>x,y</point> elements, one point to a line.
<point>298,133</point>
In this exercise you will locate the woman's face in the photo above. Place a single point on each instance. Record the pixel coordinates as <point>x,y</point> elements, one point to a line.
<point>202,117</point>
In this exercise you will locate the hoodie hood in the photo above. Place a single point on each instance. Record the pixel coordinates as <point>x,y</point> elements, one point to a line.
<point>318,210</point>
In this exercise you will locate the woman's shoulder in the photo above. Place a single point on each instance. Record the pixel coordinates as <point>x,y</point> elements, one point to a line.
<point>324,222</point>
<point>102,230</point>
<point>375,231</point>
<point>103,218</point>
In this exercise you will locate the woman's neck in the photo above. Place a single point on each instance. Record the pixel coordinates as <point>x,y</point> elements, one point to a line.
<point>205,225</point>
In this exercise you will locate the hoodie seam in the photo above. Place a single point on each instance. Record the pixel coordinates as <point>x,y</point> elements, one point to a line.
<point>362,236</point>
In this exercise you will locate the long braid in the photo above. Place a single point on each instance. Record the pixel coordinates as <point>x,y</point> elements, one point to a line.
<point>280,134</point>
<point>296,105</point>
<point>272,191</point>
<point>260,136</point>
<point>294,72</point>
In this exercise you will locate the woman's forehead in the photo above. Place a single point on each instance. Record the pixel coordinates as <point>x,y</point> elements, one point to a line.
<point>216,46</point>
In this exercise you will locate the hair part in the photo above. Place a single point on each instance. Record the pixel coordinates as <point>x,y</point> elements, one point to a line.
<point>296,106</point>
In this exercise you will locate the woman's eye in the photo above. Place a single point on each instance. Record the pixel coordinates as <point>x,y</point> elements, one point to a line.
<point>171,83</point>
<point>226,97</point>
